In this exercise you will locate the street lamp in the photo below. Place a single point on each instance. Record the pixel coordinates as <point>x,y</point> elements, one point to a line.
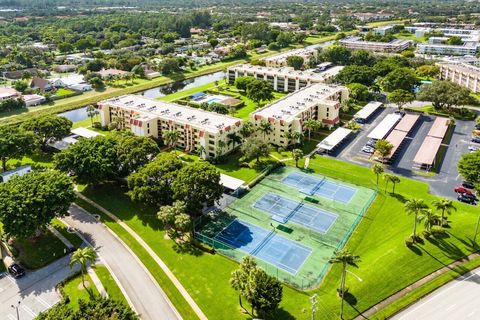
<point>16,309</point>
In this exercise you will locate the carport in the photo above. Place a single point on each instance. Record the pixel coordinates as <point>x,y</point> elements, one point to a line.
<point>232,185</point>
<point>426,155</point>
<point>384,127</point>
<point>366,112</point>
<point>333,140</point>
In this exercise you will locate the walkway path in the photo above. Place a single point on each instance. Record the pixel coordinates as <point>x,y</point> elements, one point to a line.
<point>60,236</point>
<point>152,253</point>
<point>98,284</point>
<point>404,291</point>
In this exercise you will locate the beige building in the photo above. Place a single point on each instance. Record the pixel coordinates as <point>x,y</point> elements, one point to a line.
<point>280,60</point>
<point>318,101</point>
<point>356,43</point>
<point>196,127</point>
<point>463,74</point>
<point>283,79</point>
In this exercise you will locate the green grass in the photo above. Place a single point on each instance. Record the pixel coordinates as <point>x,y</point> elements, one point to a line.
<point>109,283</point>
<point>75,291</point>
<point>62,228</point>
<point>307,147</point>
<point>35,253</point>
<point>38,159</point>
<point>410,36</point>
<point>63,92</point>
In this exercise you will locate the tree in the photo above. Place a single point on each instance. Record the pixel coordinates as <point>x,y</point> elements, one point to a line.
<point>401,97</point>
<point>363,58</point>
<point>171,137</point>
<point>311,125</point>
<point>444,94</point>
<point>83,44</point>
<point>400,78</point>
<point>240,278</point>
<point>346,258</point>
<point>197,183</point>
<point>241,83</point>
<point>48,128</point>
<point>265,128</point>
<point>234,139</point>
<point>29,202</point>
<point>356,74</point>
<point>15,143</point>
<point>134,152</point>
<point>92,112</point>
<point>428,71</point>
<point>454,41</point>
<point>259,90</point>
<point>429,219</point>
<point>378,170</point>
<point>415,207</point>
<point>169,66</point>
<point>246,130</point>
<point>169,216</point>
<point>254,148</point>
<point>358,91</point>
<point>152,183</point>
<point>20,85</point>
<point>445,206</point>
<point>81,257</point>
<point>92,160</point>
<point>297,154</point>
<point>296,62</point>
<point>469,167</point>
<point>65,47</point>
<point>383,148</point>
<point>337,55</point>
<point>391,178</point>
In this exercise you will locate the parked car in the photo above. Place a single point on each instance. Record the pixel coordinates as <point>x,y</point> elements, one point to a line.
<point>371,143</point>
<point>473,148</point>
<point>462,190</point>
<point>402,113</point>
<point>16,271</point>
<point>465,199</point>
<point>471,196</point>
<point>468,185</point>
<point>368,149</point>
<point>477,126</point>
<point>476,139</point>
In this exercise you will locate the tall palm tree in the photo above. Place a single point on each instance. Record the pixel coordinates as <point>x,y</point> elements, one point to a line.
<point>82,256</point>
<point>345,258</point>
<point>378,170</point>
<point>265,127</point>
<point>200,150</point>
<point>391,178</point>
<point>234,138</point>
<point>246,130</point>
<point>311,125</point>
<point>171,138</point>
<point>221,145</point>
<point>92,112</point>
<point>415,207</point>
<point>429,219</point>
<point>297,154</point>
<point>445,206</point>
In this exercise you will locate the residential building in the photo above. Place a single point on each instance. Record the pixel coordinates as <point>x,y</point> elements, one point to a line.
<point>65,68</point>
<point>356,43</point>
<point>280,60</point>
<point>372,16</point>
<point>196,127</point>
<point>33,99</point>
<point>40,84</point>
<point>463,74</point>
<point>283,79</point>
<point>74,81</point>
<point>19,171</point>
<point>105,73</point>
<point>8,93</point>
<point>318,101</point>
<point>445,49</point>
<point>383,30</point>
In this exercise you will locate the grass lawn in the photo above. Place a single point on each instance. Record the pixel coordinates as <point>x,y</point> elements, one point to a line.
<point>37,159</point>
<point>63,92</point>
<point>75,291</point>
<point>410,36</point>
<point>308,146</point>
<point>38,252</point>
<point>109,283</point>
<point>62,228</point>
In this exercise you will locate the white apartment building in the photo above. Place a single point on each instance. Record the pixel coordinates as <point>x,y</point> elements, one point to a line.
<point>283,79</point>
<point>463,74</point>
<point>147,117</point>
<point>357,43</point>
<point>468,48</point>
<point>280,60</point>
<point>318,101</point>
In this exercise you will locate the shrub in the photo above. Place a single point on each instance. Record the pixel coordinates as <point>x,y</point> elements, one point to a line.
<point>409,242</point>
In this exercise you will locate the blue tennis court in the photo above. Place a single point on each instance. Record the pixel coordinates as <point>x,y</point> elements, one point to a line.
<point>322,187</point>
<point>283,210</point>
<point>266,245</point>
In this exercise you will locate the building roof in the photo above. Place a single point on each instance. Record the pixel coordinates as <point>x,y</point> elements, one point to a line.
<point>295,103</point>
<point>5,176</point>
<point>356,39</point>
<point>8,93</point>
<point>85,133</point>
<point>33,97</point>
<point>70,80</point>
<point>113,72</point>
<point>462,67</point>
<point>39,83</point>
<point>439,128</point>
<point>428,151</point>
<point>149,109</point>
<point>230,182</point>
<point>368,110</point>
<point>384,127</point>
<point>407,122</point>
<point>334,139</point>
<point>396,138</point>
<point>285,55</point>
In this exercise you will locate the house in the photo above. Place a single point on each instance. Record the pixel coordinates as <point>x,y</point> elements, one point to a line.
<point>65,68</point>
<point>43,85</point>
<point>33,99</point>
<point>74,81</point>
<point>18,74</point>
<point>8,93</point>
<point>20,171</point>
<point>149,72</point>
<point>104,73</point>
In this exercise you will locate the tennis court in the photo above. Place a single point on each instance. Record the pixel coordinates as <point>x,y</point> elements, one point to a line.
<point>283,209</point>
<point>267,245</point>
<point>325,188</point>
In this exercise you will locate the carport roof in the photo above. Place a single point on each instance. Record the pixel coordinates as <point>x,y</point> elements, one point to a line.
<point>407,122</point>
<point>428,151</point>
<point>396,138</point>
<point>230,182</point>
<point>334,139</point>
<point>439,128</point>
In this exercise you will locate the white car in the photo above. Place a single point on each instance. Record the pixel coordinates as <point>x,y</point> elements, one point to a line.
<point>473,148</point>
<point>368,149</point>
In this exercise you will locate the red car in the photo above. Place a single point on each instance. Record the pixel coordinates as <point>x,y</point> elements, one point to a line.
<point>462,190</point>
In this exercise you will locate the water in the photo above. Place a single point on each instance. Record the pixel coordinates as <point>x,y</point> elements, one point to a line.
<point>182,85</point>
<point>75,115</point>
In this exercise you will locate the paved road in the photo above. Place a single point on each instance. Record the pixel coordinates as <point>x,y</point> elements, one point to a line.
<point>458,300</point>
<point>35,291</point>
<point>145,294</point>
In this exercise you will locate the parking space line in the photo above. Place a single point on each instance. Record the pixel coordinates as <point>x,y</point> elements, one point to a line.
<point>42,301</point>
<point>11,316</point>
<point>29,311</point>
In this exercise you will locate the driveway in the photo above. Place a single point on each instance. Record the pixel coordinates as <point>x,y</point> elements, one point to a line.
<point>144,293</point>
<point>458,300</point>
<point>35,291</point>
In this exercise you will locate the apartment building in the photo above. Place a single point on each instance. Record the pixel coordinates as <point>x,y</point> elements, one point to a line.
<point>357,43</point>
<point>372,16</point>
<point>468,48</point>
<point>196,127</point>
<point>283,79</point>
<point>280,60</point>
<point>463,74</point>
<point>318,101</point>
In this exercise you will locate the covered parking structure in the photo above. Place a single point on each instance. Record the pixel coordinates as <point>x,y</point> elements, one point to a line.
<point>396,139</point>
<point>384,127</point>
<point>407,123</point>
<point>427,154</point>
<point>331,142</point>
<point>367,111</point>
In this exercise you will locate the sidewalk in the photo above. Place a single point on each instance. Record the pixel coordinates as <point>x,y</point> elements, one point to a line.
<point>60,236</point>
<point>97,282</point>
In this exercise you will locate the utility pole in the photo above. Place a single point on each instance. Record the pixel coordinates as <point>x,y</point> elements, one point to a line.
<point>16,309</point>
<point>313,301</point>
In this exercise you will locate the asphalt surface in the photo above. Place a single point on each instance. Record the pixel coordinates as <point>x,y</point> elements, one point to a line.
<point>458,300</point>
<point>144,293</point>
<point>35,291</point>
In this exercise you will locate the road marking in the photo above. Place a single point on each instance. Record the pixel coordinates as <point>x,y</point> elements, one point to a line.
<point>11,317</point>
<point>451,307</point>
<point>29,311</point>
<point>470,314</point>
<point>9,277</point>
<point>42,301</point>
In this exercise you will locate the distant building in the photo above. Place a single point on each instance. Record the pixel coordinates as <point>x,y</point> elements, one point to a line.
<point>40,84</point>
<point>280,60</point>
<point>370,16</point>
<point>318,101</point>
<point>464,74</point>
<point>197,127</point>
<point>20,171</point>
<point>33,99</point>
<point>383,30</point>
<point>104,73</point>
<point>282,79</point>
<point>445,49</point>
<point>65,68</point>
<point>74,81</point>
<point>357,43</point>
<point>8,93</point>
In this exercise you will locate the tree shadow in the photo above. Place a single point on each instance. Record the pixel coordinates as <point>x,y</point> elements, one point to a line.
<point>415,250</point>
<point>282,314</point>
<point>350,298</point>
<point>187,248</point>
<point>397,196</point>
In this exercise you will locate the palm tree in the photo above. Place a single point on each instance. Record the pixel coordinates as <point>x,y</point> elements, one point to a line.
<point>311,125</point>
<point>265,127</point>
<point>234,138</point>
<point>378,170</point>
<point>171,138</point>
<point>345,258</point>
<point>444,205</point>
<point>297,154</point>
<point>430,219</point>
<point>91,112</point>
<point>383,148</point>
<point>391,178</point>
<point>200,150</point>
<point>297,137</point>
<point>82,257</point>
<point>241,277</point>
<point>221,145</point>
<point>415,207</point>
<point>246,130</point>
